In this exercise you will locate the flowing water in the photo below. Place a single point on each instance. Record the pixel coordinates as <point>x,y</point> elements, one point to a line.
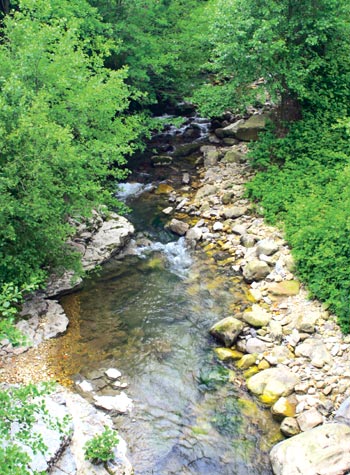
<point>148,315</point>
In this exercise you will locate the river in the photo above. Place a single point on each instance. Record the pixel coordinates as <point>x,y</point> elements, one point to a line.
<point>148,315</point>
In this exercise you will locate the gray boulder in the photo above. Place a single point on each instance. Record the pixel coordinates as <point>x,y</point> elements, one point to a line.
<point>178,227</point>
<point>323,450</point>
<point>255,270</point>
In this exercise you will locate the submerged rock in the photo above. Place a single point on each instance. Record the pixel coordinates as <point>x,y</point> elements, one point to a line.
<point>323,450</point>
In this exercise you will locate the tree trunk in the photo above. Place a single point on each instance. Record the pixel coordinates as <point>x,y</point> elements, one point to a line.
<point>5,6</point>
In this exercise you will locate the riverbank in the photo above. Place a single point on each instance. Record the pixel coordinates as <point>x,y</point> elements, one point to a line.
<point>290,350</point>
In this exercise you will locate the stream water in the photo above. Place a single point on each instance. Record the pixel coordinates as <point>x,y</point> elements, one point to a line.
<point>148,315</point>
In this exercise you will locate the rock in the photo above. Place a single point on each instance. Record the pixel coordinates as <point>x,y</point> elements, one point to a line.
<point>120,403</point>
<point>227,197</point>
<point>87,423</point>
<point>217,226</point>
<point>255,345</point>
<point>227,330</point>
<point>343,413</point>
<point>229,131</point>
<point>283,408</point>
<point>168,210</point>
<point>323,450</point>
<point>255,270</point>
<point>248,240</point>
<point>276,331</point>
<point>113,373</point>
<point>206,190</point>
<point>226,354</point>
<point>285,288</point>
<point>309,419</point>
<point>164,189</point>
<point>315,350</point>
<point>161,160</point>
<point>267,247</point>
<point>257,317</point>
<point>289,427</point>
<point>186,179</point>
<point>178,227</point>
<point>239,229</point>
<point>233,156</point>
<point>50,321</point>
<point>111,237</point>
<point>85,386</point>
<point>249,129</point>
<point>194,234</point>
<point>279,354</point>
<point>273,383</point>
<point>246,361</point>
<point>233,212</point>
<point>306,322</point>
<point>186,150</point>
<point>211,158</point>
<point>52,437</point>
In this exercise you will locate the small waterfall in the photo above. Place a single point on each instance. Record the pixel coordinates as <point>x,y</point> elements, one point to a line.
<point>176,254</point>
<point>132,190</point>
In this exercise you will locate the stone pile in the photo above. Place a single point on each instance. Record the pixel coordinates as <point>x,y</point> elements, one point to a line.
<point>291,351</point>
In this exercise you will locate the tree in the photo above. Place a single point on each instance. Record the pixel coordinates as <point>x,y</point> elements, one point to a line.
<point>299,47</point>
<point>163,44</point>
<point>65,130</point>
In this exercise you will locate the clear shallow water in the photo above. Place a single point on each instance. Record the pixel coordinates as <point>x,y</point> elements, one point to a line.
<point>152,325</point>
<point>149,316</point>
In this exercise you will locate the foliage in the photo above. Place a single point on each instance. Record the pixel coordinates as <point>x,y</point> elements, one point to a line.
<point>100,448</point>
<point>305,186</point>
<point>19,409</point>
<point>65,128</point>
<point>163,43</point>
<point>299,48</point>
<point>11,296</point>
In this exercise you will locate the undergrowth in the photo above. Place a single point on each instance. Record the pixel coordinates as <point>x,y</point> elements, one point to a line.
<point>302,184</point>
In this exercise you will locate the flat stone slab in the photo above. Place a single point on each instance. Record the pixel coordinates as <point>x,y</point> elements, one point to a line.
<point>120,403</point>
<point>323,450</point>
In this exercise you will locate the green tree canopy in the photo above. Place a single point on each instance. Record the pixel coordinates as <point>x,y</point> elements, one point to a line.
<point>65,129</point>
<point>299,47</point>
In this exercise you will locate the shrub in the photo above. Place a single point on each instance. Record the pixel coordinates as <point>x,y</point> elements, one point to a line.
<point>100,448</point>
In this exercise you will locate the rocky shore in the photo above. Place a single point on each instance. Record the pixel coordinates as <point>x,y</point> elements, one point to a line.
<point>289,349</point>
<point>44,318</point>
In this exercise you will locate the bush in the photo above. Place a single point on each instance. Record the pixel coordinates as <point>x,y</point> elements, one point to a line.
<point>100,448</point>
<point>302,185</point>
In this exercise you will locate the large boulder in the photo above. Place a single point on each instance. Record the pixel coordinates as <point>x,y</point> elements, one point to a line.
<point>88,422</point>
<point>227,330</point>
<point>112,236</point>
<point>249,129</point>
<point>255,270</point>
<point>273,383</point>
<point>323,450</point>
